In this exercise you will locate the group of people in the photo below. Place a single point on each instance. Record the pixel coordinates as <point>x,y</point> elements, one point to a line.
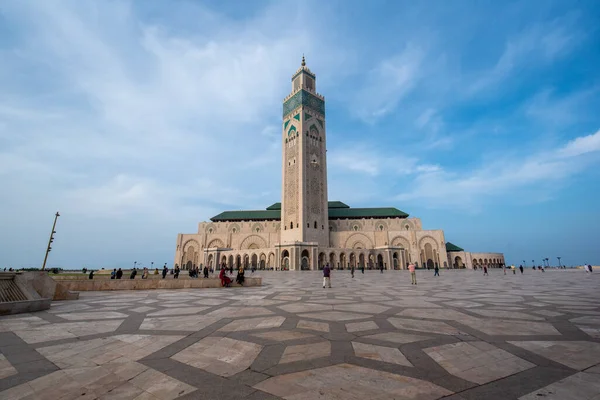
<point>226,281</point>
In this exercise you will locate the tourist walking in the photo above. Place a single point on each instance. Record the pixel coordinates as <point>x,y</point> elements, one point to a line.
<point>485,270</point>
<point>133,274</point>
<point>176,275</point>
<point>521,269</point>
<point>504,268</point>
<point>436,270</point>
<point>205,271</point>
<point>413,274</point>
<point>113,274</point>
<point>145,273</point>
<point>91,274</point>
<point>362,269</point>
<point>165,271</point>
<point>381,268</point>
<point>326,276</point>
<point>352,271</point>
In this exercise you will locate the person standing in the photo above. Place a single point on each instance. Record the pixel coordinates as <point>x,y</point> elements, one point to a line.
<point>362,269</point>
<point>176,274</point>
<point>119,273</point>
<point>91,274</point>
<point>113,274</point>
<point>521,269</point>
<point>326,276</point>
<point>205,271</point>
<point>381,268</point>
<point>133,273</point>
<point>485,270</point>
<point>165,271</point>
<point>145,273</point>
<point>352,271</point>
<point>504,268</point>
<point>436,270</point>
<point>413,274</point>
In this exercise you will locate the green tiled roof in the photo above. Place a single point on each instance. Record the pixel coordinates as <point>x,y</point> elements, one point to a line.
<point>453,247</point>
<point>379,212</point>
<point>337,210</point>
<point>259,215</point>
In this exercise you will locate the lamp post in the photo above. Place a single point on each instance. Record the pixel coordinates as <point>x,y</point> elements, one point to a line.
<point>524,263</point>
<point>51,240</point>
<point>134,264</point>
<point>559,262</point>
<point>533,262</point>
<point>152,265</point>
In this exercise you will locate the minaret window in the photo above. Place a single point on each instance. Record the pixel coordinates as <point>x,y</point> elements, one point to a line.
<point>315,224</point>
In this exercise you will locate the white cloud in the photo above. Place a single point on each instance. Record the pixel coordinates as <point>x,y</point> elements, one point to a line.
<point>502,177</point>
<point>387,83</point>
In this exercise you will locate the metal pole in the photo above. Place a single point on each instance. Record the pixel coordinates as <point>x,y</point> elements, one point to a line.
<point>50,240</point>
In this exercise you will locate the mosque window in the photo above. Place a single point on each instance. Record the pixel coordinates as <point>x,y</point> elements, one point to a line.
<point>234,230</point>
<point>291,225</point>
<point>406,227</point>
<point>308,225</point>
<point>257,229</point>
<point>380,227</point>
<point>315,224</point>
<point>355,228</point>
<point>210,230</point>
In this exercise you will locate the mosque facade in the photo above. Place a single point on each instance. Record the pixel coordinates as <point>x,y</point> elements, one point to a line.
<point>306,231</point>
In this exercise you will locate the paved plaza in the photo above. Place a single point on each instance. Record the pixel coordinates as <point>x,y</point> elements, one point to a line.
<point>459,336</point>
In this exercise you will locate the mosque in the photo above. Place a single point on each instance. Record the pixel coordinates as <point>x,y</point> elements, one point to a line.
<point>306,231</point>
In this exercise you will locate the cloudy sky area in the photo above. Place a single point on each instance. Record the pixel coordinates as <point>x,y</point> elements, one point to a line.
<point>137,120</point>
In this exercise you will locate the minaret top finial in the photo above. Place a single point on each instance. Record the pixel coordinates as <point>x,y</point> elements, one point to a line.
<point>303,61</point>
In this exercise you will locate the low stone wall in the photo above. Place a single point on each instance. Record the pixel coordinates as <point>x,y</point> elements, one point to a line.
<point>27,306</point>
<point>81,285</point>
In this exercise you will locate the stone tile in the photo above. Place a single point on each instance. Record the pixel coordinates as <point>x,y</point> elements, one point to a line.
<point>362,308</point>
<point>513,328</point>
<point>303,352</point>
<point>220,355</point>
<point>237,312</point>
<point>211,302</point>
<point>20,322</point>
<point>380,353</point>
<point>592,331</point>
<point>67,330</point>
<point>313,325</point>
<point>548,313</point>
<point>143,309</point>
<point>92,315</point>
<point>282,336</point>
<point>577,354</point>
<point>253,323</point>
<point>183,323</point>
<point>160,385</point>
<point>361,326</point>
<point>396,337</point>
<point>334,316</point>
<point>587,320</point>
<point>349,382</point>
<point>425,326</point>
<point>478,362</point>
<point>445,314</point>
<point>178,311</point>
<point>463,304</point>
<point>575,387</point>
<point>6,368</point>
<point>305,307</point>
<point>506,314</point>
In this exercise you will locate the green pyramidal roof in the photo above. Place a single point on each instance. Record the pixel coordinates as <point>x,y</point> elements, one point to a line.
<point>453,247</point>
<point>337,210</point>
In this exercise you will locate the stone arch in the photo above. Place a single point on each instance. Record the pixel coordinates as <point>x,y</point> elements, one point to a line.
<point>191,249</point>
<point>285,260</point>
<point>355,226</point>
<point>253,242</point>
<point>271,260</point>
<point>358,237</point>
<point>257,227</point>
<point>381,225</point>
<point>210,229</point>
<point>254,261</point>
<point>322,260</point>
<point>191,242</point>
<point>401,241</point>
<point>426,239</point>
<point>216,243</point>
<point>262,261</point>
<point>234,228</point>
<point>305,260</point>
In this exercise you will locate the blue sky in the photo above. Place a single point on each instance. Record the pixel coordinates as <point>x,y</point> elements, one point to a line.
<point>137,120</point>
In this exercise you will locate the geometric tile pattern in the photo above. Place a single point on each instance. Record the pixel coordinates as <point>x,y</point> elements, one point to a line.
<point>459,335</point>
<point>478,362</point>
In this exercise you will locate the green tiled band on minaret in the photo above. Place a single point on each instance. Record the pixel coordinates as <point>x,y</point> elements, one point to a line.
<point>306,99</point>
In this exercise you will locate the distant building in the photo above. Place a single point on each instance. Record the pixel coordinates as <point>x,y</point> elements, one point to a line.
<point>306,231</point>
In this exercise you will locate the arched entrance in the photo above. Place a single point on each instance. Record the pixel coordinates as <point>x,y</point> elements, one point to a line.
<point>342,261</point>
<point>395,260</point>
<point>188,265</point>
<point>322,260</point>
<point>210,261</point>
<point>361,260</point>
<point>230,262</point>
<point>254,261</point>
<point>305,260</point>
<point>238,261</point>
<point>430,264</point>
<point>246,261</point>
<point>331,260</point>
<point>262,261</point>
<point>223,260</point>
<point>352,260</point>
<point>285,260</point>
<point>379,261</point>
<point>371,261</point>
<point>458,263</point>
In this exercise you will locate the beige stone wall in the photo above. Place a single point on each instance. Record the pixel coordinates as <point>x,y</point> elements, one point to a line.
<point>392,242</point>
<point>465,259</point>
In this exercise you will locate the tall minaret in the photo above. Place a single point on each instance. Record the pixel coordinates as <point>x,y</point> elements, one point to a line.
<point>304,212</point>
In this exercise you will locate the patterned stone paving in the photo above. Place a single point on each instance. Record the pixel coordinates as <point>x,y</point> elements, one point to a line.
<point>460,336</point>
